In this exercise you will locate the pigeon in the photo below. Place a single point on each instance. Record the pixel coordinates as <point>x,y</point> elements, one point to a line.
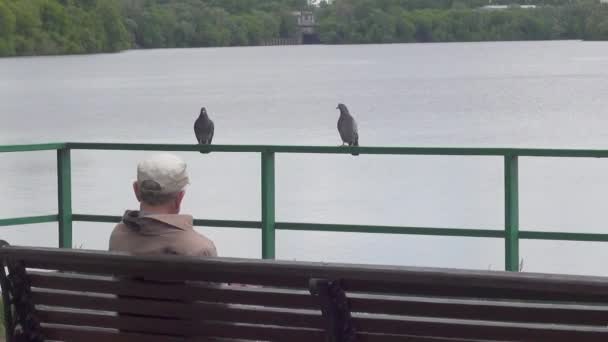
<point>203,128</point>
<point>347,127</point>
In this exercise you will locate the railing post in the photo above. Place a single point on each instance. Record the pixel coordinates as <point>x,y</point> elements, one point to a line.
<point>511,214</point>
<point>64,199</point>
<point>268,218</point>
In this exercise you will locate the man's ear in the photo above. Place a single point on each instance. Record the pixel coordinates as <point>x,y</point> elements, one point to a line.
<point>178,200</point>
<point>136,190</point>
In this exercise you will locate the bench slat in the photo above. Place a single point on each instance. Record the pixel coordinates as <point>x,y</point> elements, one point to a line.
<point>297,299</point>
<point>80,334</point>
<point>369,337</point>
<point>481,330</point>
<point>275,334</point>
<point>197,311</point>
<point>145,325</point>
<point>213,331</point>
<point>275,280</point>
<point>482,310</point>
<point>498,291</point>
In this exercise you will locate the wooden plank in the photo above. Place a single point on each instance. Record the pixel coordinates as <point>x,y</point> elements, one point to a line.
<point>528,312</point>
<point>213,332</point>
<point>79,334</point>
<point>104,284</point>
<point>367,337</point>
<point>267,296</point>
<point>208,330</point>
<point>146,325</point>
<point>169,273</point>
<point>480,330</point>
<point>552,292</point>
<point>359,277</point>
<point>265,333</point>
<point>109,303</point>
<point>171,309</point>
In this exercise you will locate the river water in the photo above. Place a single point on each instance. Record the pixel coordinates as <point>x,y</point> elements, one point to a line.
<point>515,94</point>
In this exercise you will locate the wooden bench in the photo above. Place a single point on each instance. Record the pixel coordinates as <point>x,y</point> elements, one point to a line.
<point>75,295</point>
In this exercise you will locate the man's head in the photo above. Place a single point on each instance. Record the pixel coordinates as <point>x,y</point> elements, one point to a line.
<point>161,180</point>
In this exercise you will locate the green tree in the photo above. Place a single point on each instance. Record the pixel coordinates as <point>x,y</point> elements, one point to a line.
<point>29,27</point>
<point>7,30</point>
<point>404,29</point>
<point>113,31</point>
<point>7,21</point>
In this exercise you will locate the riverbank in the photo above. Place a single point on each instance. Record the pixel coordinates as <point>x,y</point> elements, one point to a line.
<point>55,28</point>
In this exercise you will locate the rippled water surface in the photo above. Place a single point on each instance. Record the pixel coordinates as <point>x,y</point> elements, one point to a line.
<point>532,94</point>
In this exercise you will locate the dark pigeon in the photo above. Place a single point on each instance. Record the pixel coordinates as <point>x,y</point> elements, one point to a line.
<point>347,127</point>
<point>203,128</point>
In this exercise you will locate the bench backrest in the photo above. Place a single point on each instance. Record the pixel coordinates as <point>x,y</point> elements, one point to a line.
<point>77,295</point>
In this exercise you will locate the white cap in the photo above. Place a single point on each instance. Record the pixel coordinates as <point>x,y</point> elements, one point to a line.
<point>163,173</point>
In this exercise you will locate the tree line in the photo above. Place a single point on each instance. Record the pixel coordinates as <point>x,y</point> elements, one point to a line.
<point>41,27</point>
<point>200,23</point>
<point>401,21</point>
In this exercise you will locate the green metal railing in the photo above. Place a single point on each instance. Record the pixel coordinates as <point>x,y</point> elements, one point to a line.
<point>268,225</point>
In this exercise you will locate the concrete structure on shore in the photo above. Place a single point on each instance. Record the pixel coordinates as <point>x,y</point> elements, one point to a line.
<point>307,27</point>
<point>504,7</point>
<point>306,32</point>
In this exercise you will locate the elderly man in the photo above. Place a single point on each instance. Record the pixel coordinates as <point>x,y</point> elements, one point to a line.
<point>157,227</point>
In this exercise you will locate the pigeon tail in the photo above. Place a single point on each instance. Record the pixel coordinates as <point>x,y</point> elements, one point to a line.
<point>204,143</point>
<point>204,152</point>
<point>356,144</point>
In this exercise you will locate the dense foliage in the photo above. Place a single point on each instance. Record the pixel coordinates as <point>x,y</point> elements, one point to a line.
<point>35,27</point>
<point>194,23</point>
<point>392,21</point>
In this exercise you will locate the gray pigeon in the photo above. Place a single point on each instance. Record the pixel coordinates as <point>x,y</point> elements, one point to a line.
<point>203,128</point>
<point>347,127</point>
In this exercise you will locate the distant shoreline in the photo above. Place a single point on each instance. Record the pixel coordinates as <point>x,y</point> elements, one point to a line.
<point>302,45</point>
<point>56,28</point>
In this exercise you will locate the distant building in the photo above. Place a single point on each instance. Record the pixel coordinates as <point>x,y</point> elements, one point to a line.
<point>494,7</point>
<point>504,7</point>
<point>306,21</point>
<point>307,27</point>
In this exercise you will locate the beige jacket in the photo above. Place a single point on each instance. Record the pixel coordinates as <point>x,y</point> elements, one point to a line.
<point>141,234</point>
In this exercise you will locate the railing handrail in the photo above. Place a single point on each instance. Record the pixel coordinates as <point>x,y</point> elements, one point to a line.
<point>268,224</point>
<point>32,147</point>
<point>392,150</point>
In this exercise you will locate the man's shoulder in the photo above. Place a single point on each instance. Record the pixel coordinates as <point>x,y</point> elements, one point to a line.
<point>117,237</point>
<point>118,227</point>
<point>195,243</point>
